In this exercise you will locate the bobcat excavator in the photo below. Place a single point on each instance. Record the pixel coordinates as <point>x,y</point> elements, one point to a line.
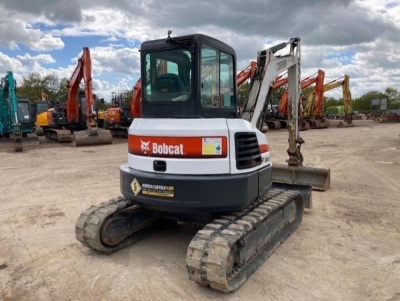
<point>192,159</point>
<point>76,121</point>
<point>16,122</point>
<point>344,82</point>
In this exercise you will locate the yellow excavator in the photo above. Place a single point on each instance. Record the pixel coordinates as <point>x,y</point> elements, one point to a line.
<point>344,82</point>
<point>193,158</point>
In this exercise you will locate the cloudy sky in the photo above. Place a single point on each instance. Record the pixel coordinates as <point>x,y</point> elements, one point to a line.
<point>360,38</point>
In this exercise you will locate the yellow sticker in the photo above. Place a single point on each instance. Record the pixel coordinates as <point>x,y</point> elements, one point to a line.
<point>211,146</point>
<point>136,188</point>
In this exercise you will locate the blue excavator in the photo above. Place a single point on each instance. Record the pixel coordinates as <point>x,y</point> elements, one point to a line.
<point>16,122</point>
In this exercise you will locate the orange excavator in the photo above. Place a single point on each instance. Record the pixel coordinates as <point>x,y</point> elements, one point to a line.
<point>246,73</point>
<point>76,121</point>
<point>312,115</point>
<point>281,116</point>
<point>118,119</point>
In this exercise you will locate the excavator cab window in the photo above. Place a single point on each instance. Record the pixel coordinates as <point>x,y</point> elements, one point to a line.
<point>42,106</point>
<point>168,76</point>
<point>217,79</point>
<point>24,114</point>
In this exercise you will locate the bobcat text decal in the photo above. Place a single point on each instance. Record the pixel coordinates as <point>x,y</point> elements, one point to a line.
<point>161,149</point>
<point>178,147</point>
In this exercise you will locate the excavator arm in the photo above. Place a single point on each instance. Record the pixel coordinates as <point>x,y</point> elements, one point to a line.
<point>308,81</point>
<point>344,82</point>
<point>15,115</point>
<point>84,117</point>
<point>83,71</point>
<point>135,105</point>
<point>315,99</point>
<point>269,66</point>
<point>9,123</point>
<point>246,73</point>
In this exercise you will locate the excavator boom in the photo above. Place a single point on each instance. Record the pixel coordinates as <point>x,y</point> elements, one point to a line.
<point>344,82</point>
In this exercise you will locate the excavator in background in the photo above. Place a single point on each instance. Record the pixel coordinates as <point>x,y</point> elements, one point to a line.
<point>76,120</point>
<point>318,80</point>
<point>40,114</point>
<point>276,119</point>
<point>344,82</point>
<point>313,113</point>
<point>191,158</point>
<point>118,119</point>
<point>246,73</point>
<point>16,123</point>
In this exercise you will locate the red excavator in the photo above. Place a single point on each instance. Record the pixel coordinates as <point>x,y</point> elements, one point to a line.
<point>76,120</point>
<point>192,158</point>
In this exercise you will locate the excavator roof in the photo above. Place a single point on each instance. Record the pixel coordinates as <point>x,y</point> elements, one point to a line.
<point>188,41</point>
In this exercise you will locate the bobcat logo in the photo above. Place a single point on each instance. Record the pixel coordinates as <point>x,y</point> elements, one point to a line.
<point>145,146</point>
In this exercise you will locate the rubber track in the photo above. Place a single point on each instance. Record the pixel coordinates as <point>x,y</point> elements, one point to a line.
<point>88,225</point>
<point>210,250</point>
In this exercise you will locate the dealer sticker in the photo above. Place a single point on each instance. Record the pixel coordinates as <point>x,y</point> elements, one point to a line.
<point>158,190</point>
<point>212,146</point>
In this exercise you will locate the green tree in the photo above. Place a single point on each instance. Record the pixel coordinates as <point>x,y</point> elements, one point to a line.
<point>62,90</point>
<point>332,102</point>
<point>393,97</point>
<point>33,85</point>
<point>364,103</point>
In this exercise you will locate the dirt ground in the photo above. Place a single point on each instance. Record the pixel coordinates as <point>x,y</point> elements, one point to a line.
<point>347,247</point>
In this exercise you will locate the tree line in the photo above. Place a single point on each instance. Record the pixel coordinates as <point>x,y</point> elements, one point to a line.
<point>34,87</point>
